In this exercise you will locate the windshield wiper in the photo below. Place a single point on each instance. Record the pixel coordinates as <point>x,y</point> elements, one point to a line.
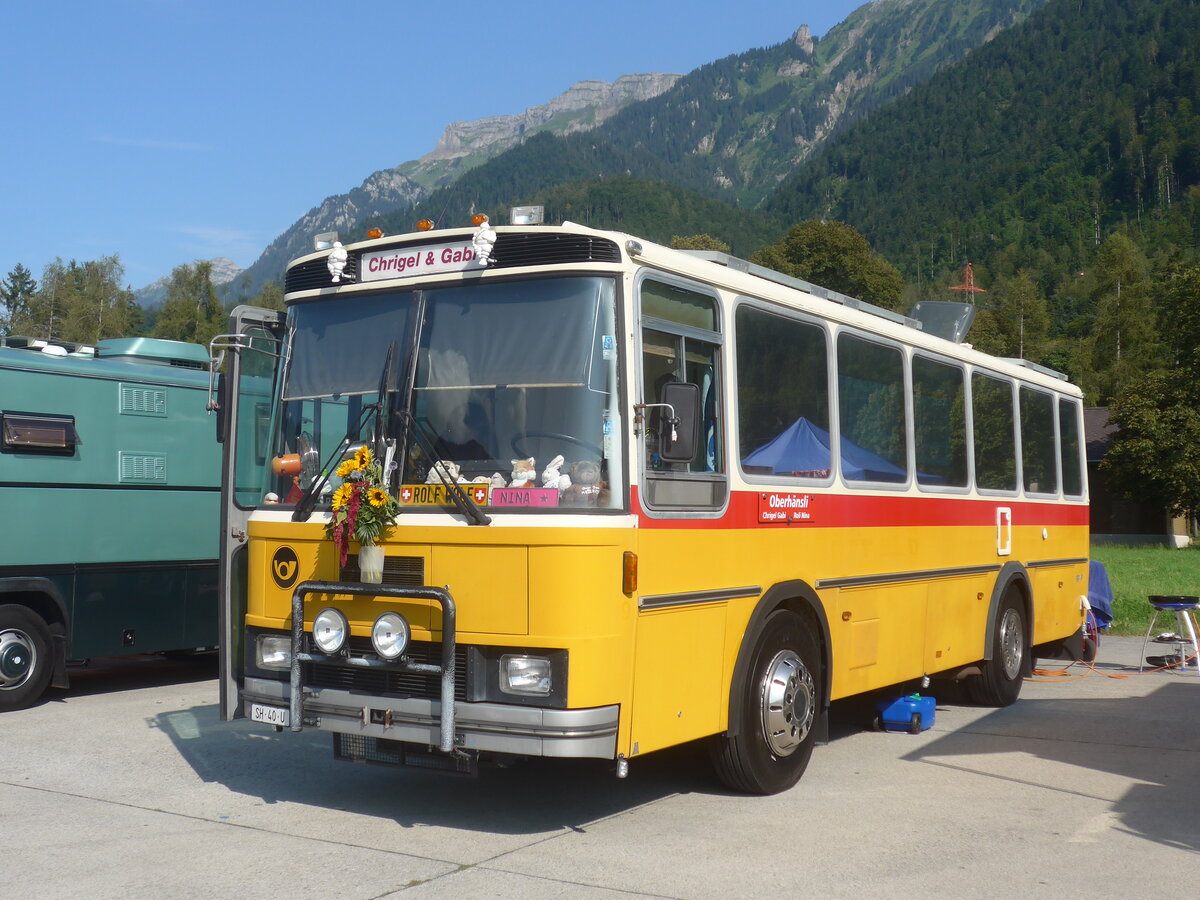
<point>307,502</point>
<point>460,498</point>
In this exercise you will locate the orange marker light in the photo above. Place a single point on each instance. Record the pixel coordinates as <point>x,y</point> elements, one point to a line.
<point>478,219</point>
<point>374,233</point>
<point>629,572</point>
<point>425,225</point>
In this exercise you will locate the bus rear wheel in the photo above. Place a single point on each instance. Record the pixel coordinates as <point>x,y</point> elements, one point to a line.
<point>777,724</point>
<point>1003,674</point>
<point>24,657</point>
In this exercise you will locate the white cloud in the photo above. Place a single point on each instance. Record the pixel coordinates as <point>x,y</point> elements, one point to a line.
<point>143,144</point>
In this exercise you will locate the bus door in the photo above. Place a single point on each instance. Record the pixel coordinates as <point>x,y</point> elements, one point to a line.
<point>243,397</point>
<point>684,569</point>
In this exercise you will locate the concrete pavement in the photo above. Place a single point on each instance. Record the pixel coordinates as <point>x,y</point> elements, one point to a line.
<point>128,785</point>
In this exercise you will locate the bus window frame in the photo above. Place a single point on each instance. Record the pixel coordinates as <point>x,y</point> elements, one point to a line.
<point>1076,404</point>
<point>734,404</point>
<point>968,447</point>
<point>1057,493</point>
<point>1012,383</point>
<point>717,339</point>
<point>836,423</point>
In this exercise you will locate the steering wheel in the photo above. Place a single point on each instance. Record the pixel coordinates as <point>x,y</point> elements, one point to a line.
<point>522,452</point>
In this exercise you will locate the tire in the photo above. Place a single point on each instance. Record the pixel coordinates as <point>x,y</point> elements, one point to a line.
<point>1003,674</point>
<point>780,705</point>
<point>25,664</point>
<point>914,724</point>
<point>1091,640</point>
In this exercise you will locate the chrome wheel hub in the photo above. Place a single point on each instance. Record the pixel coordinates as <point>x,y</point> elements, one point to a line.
<point>1012,643</point>
<point>16,658</point>
<point>788,703</point>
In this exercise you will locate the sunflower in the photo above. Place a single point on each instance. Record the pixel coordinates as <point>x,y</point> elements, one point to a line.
<point>342,495</point>
<point>377,497</point>
<point>347,468</point>
<point>362,456</point>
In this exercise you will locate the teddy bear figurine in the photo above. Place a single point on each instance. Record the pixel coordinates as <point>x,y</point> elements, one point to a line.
<point>585,486</point>
<point>524,473</point>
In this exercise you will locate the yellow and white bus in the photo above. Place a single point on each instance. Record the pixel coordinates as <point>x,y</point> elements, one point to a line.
<point>645,497</point>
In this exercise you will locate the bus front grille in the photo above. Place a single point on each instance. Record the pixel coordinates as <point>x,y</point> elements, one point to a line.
<point>381,682</point>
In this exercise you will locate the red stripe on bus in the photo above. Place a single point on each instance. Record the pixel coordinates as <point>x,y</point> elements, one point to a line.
<point>874,511</point>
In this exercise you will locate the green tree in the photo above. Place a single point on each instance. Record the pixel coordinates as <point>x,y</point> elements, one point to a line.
<point>270,297</point>
<point>1122,345</point>
<point>192,311</point>
<point>1156,450</point>
<point>699,242</point>
<point>81,302</point>
<point>835,256</point>
<point>16,292</point>
<point>45,313</point>
<point>1022,318</point>
<point>98,307</point>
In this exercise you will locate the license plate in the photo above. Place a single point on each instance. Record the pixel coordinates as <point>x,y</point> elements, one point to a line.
<point>272,715</point>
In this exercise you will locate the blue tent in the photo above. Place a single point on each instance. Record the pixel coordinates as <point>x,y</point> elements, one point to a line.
<point>803,449</point>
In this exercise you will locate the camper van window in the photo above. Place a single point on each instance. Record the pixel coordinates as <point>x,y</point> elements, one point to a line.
<point>32,433</point>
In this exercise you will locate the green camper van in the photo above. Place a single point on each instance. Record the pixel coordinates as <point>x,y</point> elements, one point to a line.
<point>109,490</point>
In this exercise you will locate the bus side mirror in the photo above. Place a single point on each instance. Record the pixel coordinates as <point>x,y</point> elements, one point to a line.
<point>680,433</point>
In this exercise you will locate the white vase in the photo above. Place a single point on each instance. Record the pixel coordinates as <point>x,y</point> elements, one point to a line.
<point>370,564</point>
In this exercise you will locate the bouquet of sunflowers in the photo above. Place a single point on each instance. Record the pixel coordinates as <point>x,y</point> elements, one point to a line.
<point>362,507</point>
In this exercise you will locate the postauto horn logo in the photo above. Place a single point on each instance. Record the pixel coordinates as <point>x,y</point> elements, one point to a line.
<point>285,567</point>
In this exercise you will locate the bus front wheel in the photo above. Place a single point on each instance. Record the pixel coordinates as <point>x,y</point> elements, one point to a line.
<point>1003,674</point>
<point>774,738</point>
<point>25,667</point>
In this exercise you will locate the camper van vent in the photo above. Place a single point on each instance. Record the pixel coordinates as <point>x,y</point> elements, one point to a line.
<point>139,401</point>
<point>141,468</point>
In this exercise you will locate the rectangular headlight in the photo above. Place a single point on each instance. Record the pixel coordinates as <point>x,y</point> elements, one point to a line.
<point>273,652</point>
<point>524,674</point>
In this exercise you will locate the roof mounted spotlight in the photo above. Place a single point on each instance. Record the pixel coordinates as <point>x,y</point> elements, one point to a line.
<point>527,215</point>
<point>325,240</point>
<point>634,248</point>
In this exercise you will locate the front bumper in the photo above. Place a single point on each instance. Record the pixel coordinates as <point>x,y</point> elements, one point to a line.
<point>490,727</point>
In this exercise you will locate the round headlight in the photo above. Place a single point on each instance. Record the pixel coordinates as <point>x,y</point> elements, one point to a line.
<point>389,635</point>
<point>330,630</point>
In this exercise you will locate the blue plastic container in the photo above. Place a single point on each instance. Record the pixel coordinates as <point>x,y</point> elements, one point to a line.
<point>912,713</point>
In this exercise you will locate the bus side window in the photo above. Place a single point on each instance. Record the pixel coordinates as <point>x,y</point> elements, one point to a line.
<point>681,343</point>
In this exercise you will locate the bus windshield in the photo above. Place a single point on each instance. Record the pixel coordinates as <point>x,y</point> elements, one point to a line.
<point>513,384</point>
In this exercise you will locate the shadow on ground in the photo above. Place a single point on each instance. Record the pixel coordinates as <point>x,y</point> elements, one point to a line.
<point>1151,740</point>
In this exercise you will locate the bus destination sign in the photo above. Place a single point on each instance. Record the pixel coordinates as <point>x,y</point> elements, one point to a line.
<point>410,262</point>
<point>785,509</point>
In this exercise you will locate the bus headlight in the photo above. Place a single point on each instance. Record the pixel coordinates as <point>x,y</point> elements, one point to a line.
<point>330,630</point>
<point>273,652</point>
<point>389,635</point>
<point>524,674</point>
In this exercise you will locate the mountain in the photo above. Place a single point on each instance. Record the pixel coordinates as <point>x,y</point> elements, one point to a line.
<point>1080,121</point>
<point>224,272</point>
<point>735,128</point>
<point>732,129</point>
<point>462,147</point>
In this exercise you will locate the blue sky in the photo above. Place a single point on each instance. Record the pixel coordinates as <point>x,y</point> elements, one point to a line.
<point>171,130</point>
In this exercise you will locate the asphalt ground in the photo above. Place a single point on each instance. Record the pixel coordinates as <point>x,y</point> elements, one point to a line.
<point>127,785</point>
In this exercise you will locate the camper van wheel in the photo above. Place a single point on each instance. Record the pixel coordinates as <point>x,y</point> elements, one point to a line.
<point>775,735</point>
<point>25,666</point>
<point>1003,674</point>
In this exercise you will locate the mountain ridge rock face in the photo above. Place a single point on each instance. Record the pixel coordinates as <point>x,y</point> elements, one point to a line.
<point>462,146</point>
